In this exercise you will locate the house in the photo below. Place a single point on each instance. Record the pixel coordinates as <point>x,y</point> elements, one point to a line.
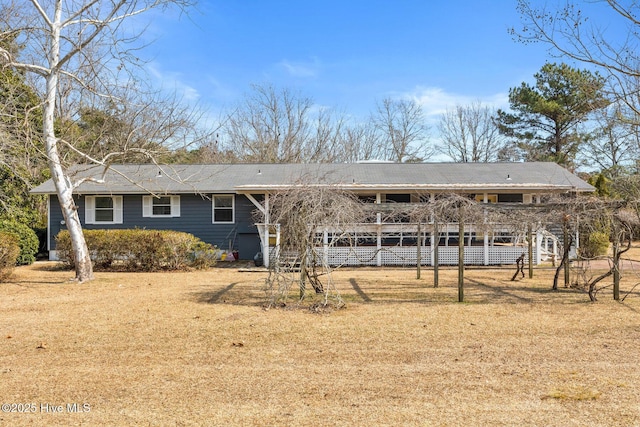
<point>218,203</point>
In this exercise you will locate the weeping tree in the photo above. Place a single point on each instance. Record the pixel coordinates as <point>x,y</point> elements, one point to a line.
<point>596,217</point>
<point>310,218</point>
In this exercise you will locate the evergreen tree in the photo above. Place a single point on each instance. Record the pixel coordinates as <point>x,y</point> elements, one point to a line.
<point>544,124</point>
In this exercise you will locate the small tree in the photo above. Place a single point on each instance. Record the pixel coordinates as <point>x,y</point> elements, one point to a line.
<point>309,217</point>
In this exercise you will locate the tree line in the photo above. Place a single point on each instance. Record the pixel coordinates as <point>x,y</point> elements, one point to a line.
<point>73,91</point>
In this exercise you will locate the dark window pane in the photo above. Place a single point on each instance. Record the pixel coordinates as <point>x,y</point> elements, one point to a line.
<point>223,215</point>
<point>162,206</point>
<point>104,203</point>
<point>162,210</point>
<point>104,215</point>
<point>509,198</point>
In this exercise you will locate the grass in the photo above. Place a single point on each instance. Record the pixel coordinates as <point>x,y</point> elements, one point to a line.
<point>198,348</point>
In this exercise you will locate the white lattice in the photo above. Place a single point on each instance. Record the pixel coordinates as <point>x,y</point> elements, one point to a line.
<point>506,254</point>
<point>407,255</point>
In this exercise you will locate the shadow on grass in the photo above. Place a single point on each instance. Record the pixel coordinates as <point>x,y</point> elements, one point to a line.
<point>50,266</point>
<point>517,293</point>
<point>359,290</point>
<point>215,297</point>
<point>502,292</point>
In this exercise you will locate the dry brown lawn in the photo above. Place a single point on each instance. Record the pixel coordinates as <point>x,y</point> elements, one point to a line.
<point>198,348</point>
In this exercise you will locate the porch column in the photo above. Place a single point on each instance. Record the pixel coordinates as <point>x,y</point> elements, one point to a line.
<point>434,244</point>
<point>265,245</point>
<point>263,229</point>
<point>379,232</point>
<point>325,246</point>
<point>379,241</point>
<point>435,241</point>
<point>486,234</point>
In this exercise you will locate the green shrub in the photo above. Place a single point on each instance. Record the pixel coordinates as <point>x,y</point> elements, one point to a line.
<point>203,255</point>
<point>63,248</point>
<point>27,241</point>
<point>596,244</point>
<point>140,250</point>
<point>9,252</point>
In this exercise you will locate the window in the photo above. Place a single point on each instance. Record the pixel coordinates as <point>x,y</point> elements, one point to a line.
<point>223,208</point>
<point>164,206</point>
<point>491,198</point>
<point>103,210</point>
<point>398,198</point>
<point>509,198</point>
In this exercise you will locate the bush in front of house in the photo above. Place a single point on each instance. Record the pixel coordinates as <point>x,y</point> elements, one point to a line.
<point>27,240</point>
<point>9,252</point>
<point>140,250</point>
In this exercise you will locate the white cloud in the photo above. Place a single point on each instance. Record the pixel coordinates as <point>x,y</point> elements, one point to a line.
<point>172,81</point>
<point>435,101</point>
<point>304,69</point>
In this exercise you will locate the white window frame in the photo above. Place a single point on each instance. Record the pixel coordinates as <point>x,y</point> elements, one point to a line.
<point>233,208</point>
<point>90,210</point>
<point>147,207</point>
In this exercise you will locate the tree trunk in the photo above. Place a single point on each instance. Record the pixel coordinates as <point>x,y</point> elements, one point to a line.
<point>64,188</point>
<point>563,263</point>
<point>616,263</point>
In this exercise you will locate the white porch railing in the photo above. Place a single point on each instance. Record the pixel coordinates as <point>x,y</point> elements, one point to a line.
<point>485,251</point>
<point>408,256</point>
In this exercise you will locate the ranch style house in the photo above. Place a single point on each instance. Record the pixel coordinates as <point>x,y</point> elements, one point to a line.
<point>218,204</point>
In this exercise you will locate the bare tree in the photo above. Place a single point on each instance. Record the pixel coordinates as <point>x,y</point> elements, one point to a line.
<point>613,146</point>
<point>78,50</point>
<point>310,218</point>
<point>468,134</point>
<point>402,129</point>
<point>358,142</point>
<point>572,30</point>
<point>271,125</point>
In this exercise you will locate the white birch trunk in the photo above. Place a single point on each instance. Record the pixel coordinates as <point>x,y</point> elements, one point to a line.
<point>64,187</point>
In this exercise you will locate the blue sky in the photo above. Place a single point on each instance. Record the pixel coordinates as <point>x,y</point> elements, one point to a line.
<point>345,54</point>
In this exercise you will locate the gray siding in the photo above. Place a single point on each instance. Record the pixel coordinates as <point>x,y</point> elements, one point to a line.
<point>195,218</point>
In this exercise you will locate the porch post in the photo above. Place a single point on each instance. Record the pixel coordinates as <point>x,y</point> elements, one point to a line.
<point>486,234</point>
<point>433,243</point>
<point>379,242</point>
<point>325,246</point>
<point>379,232</point>
<point>434,246</point>
<point>265,243</point>
<point>530,239</point>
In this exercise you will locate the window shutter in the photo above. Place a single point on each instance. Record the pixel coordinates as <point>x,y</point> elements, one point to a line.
<point>147,206</point>
<point>89,210</point>
<point>117,209</point>
<point>175,206</point>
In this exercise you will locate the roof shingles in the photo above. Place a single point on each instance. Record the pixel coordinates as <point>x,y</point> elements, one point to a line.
<point>175,179</point>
